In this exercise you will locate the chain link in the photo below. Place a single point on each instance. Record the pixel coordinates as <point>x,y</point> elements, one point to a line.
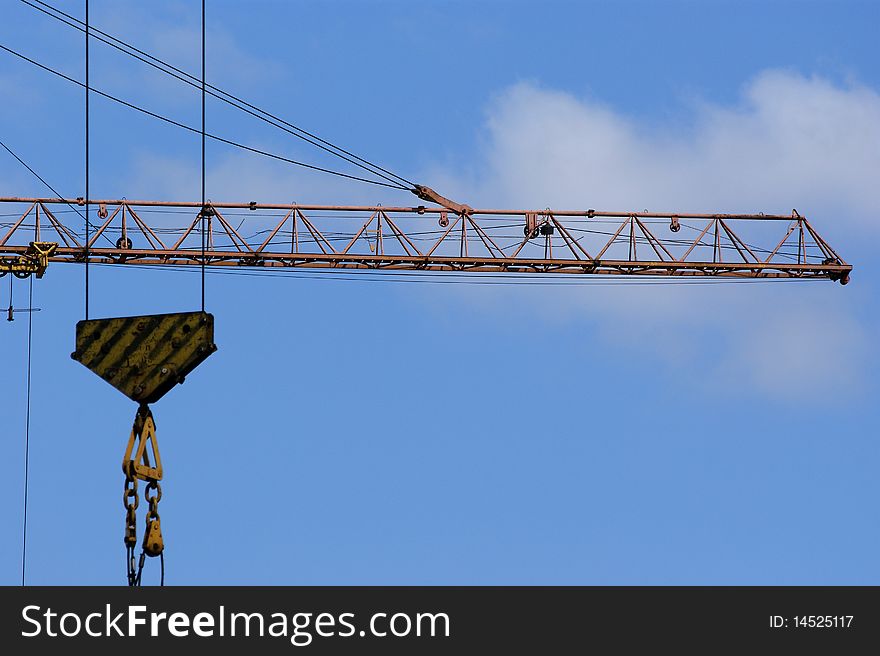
<point>130,502</point>
<point>153,544</point>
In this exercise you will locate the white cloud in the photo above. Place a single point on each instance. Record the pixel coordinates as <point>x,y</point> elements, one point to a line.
<point>791,142</point>
<point>794,351</point>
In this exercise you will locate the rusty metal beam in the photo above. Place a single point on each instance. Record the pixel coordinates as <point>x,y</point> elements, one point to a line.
<point>337,236</point>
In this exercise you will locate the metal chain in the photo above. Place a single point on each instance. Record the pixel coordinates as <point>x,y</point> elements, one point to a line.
<point>152,544</point>
<point>130,501</point>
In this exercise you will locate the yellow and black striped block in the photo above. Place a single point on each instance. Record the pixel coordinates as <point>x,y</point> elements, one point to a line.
<point>144,357</point>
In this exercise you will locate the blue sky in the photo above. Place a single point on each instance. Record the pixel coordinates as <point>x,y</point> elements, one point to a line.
<point>360,432</point>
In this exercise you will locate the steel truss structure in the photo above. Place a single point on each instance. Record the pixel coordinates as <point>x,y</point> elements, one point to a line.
<point>423,238</point>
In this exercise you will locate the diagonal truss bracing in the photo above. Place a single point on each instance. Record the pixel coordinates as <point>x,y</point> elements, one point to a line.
<point>425,238</point>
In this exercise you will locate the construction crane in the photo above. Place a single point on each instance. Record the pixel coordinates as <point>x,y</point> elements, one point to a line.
<point>424,238</point>
<point>144,357</point>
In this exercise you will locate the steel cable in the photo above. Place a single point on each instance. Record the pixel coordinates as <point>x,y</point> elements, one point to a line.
<point>209,135</point>
<point>226,97</point>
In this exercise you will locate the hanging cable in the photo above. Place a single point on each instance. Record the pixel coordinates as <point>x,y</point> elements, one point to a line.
<point>189,128</point>
<point>38,176</point>
<point>48,186</point>
<point>27,422</point>
<point>225,96</point>
<point>203,211</point>
<point>87,162</point>
<point>467,278</point>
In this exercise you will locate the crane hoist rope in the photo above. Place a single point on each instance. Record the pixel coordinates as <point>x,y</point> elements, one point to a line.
<point>144,357</point>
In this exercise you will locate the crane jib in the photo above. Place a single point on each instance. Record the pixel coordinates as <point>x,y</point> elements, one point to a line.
<point>450,238</point>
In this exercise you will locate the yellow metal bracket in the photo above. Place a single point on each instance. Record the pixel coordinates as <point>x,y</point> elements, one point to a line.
<point>137,465</point>
<point>142,432</point>
<point>33,261</point>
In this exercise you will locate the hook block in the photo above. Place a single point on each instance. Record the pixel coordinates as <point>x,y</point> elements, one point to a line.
<point>145,356</point>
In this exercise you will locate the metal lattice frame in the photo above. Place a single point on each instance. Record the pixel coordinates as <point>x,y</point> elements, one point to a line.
<point>426,238</point>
